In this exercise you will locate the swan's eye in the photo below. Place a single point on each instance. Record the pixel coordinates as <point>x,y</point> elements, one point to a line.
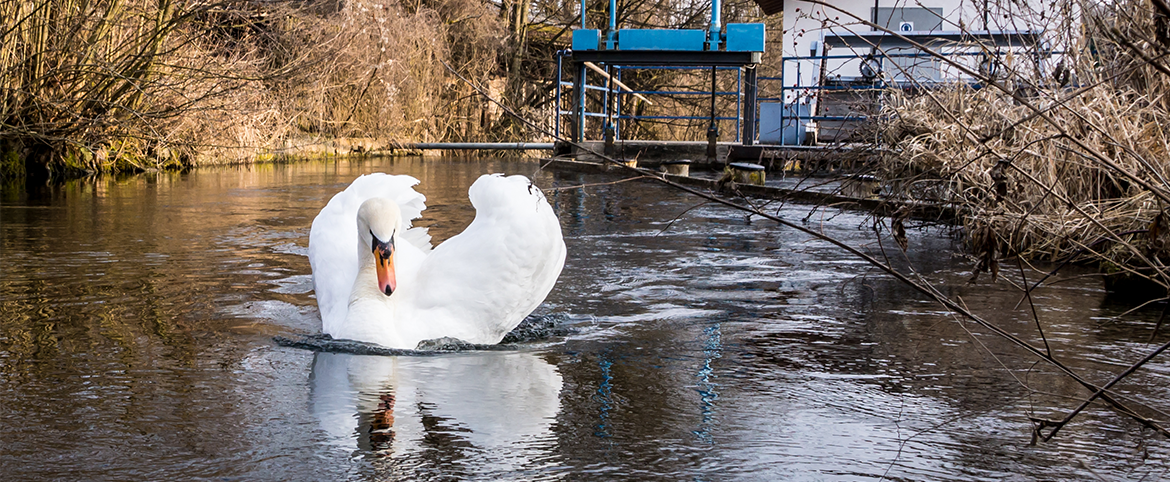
<point>385,247</point>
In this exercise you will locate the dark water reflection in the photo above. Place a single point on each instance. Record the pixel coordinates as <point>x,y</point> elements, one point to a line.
<point>136,315</point>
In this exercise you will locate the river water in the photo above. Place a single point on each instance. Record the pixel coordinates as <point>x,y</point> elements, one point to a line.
<point>137,316</point>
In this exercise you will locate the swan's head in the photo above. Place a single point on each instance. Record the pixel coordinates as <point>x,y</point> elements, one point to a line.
<point>379,221</point>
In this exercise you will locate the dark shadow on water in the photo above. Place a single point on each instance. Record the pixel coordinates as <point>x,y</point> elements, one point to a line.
<point>533,328</point>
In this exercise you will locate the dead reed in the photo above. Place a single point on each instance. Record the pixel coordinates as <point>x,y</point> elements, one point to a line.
<point>1047,167</point>
<point>73,72</point>
<point>133,84</point>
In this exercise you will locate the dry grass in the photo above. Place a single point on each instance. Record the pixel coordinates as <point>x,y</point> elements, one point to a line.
<point>1084,179</point>
<point>76,73</point>
<point>138,84</point>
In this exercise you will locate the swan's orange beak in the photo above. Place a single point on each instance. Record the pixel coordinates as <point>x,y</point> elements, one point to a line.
<point>384,265</point>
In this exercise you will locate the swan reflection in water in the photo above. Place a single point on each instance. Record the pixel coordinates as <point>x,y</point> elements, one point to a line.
<point>490,410</point>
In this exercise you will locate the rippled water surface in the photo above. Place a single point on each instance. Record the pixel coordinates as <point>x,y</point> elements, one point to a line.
<point>137,316</point>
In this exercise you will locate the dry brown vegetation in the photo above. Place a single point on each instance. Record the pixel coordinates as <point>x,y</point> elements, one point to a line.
<point>131,84</point>
<point>1066,161</point>
<point>115,85</point>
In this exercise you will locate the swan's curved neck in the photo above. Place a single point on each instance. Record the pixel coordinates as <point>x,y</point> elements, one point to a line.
<point>365,286</point>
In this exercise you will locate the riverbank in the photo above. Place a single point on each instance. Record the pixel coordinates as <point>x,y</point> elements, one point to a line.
<point>195,84</point>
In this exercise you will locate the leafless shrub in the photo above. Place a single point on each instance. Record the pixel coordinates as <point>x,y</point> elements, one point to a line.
<point>137,84</point>
<point>1054,167</point>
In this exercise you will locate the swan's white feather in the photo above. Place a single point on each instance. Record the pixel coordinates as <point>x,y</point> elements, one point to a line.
<point>331,239</point>
<point>499,269</point>
<point>476,286</point>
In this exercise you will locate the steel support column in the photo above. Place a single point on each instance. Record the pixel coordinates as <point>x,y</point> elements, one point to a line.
<point>579,104</point>
<point>750,115</point>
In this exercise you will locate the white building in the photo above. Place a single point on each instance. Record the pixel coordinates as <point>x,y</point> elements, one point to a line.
<point>867,44</point>
<point>963,29</point>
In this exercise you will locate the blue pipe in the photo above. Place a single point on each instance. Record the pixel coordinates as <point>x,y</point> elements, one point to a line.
<point>738,102</point>
<point>716,26</point>
<point>611,34</point>
<point>674,67</point>
<point>675,92</point>
<point>579,103</point>
<point>557,103</point>
<point>617,132</point>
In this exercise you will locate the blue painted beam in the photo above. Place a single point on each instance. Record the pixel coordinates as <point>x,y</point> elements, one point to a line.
<point>661,39</point>
<point>736,37</point>
<point>627,58</point>
<point>586,39</point>
<point>744,37</point>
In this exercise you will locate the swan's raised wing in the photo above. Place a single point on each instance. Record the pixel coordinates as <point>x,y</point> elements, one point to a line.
<point>333,239</point>
<point>481,283</point>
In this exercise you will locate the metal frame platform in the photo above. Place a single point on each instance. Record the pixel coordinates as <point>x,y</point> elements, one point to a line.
<point>736,45</point>
<point>660,57</point>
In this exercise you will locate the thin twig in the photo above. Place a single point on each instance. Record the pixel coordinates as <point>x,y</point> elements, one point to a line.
<point>1032,305</point>
<point>1101,391</point>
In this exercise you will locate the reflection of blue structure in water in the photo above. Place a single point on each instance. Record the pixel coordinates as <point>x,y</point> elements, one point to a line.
<point>712,349</point>
<point>728,46</point>
<point>571,202</point>
<point>605,397</point>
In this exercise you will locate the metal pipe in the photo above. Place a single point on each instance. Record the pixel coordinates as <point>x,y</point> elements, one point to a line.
<point>716,26</point>
<point>616,82</point>
<point>713,128</point>
<point>680,92</point>
<point>583,27</point>
<point>607,108</point>
<point>547,146</point>
<point>783,95</point>
<point>612,15</point>
<point>617,126</point>
<point>874,18</point>
<point>669,117</point>
<point>611,34</point>
<point>605,104</point>
<point>713,91</point>
<point>751,127</point>
<point>738,104</point>
<point>678,67</point>
<point>579,105</point>
<point>557,100</point>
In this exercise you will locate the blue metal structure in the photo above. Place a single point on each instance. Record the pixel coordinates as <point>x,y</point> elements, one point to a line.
<point>621,96</point>
<point>719,47</point>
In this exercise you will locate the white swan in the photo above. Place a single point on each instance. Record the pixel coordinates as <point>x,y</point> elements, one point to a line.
<point>393,290</point>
